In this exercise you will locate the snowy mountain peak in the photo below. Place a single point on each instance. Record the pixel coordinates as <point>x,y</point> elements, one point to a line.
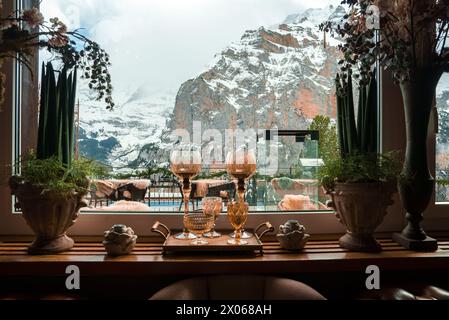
<point>314,16</point>
<point>272,78</point>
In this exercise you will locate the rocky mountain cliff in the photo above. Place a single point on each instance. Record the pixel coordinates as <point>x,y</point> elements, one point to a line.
<point>281,77</point>
<point>272,78</point>
<point>277,77</point>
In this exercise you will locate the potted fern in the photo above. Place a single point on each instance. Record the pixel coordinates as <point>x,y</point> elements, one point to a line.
<point>361,182</point>
<point>51,185</point>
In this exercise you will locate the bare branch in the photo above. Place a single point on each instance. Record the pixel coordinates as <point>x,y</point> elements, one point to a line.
<point>412,31</point>
<point>438,39</point>
<point>444,40</point>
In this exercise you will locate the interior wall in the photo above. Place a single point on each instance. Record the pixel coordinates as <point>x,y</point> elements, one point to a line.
<point>30,97</point>
<point>393,138</point>
<point>6,129</point>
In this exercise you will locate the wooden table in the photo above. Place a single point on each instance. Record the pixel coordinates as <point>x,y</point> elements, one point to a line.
<point>319,256</point>
<point>323,265</point>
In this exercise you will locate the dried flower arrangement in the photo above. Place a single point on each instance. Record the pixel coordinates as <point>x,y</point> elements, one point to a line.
<point>23,32</point>
<point>412,35</point>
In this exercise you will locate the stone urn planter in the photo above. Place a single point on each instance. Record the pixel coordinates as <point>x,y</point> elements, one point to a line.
<point>48,216</point>
<point>361,208</point>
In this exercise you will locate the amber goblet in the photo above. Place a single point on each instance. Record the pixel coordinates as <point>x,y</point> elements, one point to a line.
<point>199,223</point>
<point>237,215</point>
<point>241,165</point>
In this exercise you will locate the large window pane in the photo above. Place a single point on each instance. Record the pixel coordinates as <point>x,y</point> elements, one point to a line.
<point>202,65</point>
<point>442,148</point>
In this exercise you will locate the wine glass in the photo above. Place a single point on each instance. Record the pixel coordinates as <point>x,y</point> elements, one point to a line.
<point>237,215</point>
<point>212,205</point>
<point>241,165</point>
<point>199,223</point>
<point>185,160</point>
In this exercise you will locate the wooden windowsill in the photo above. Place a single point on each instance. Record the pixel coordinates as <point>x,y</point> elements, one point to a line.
<point>146,259</point>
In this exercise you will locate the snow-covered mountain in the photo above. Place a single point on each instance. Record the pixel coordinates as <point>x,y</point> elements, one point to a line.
<point>277,77</point>
<point>280,77</point>
<point>118,137</point>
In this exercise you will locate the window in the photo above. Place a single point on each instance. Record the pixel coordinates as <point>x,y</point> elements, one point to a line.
<point>442,142</point>
<point>178,62</point>
<point>183,65</point>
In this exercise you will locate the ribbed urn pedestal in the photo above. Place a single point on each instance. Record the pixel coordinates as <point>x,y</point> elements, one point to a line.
<point>361,208</point>
<point>49,217</point>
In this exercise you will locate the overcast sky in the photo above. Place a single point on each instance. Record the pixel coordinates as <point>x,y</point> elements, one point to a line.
<point>158,44</point>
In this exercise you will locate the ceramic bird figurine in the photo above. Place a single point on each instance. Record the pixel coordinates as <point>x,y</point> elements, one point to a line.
<point>119,240</point>
<point>292,235</point>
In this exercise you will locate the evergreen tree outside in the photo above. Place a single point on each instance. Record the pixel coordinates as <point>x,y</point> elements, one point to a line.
<point>328,142</point>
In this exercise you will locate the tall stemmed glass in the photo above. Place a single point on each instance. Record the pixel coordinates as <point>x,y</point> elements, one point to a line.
<point>185,162</point>
<point>241,165</point>
<point>213,206</point>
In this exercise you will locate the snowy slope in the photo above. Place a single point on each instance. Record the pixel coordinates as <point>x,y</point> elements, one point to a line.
<point>135,122</point>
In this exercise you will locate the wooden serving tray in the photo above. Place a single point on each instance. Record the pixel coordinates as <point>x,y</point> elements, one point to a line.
<point>214,244</point>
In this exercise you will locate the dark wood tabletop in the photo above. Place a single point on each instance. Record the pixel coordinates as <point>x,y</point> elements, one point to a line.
<point>147,259</point>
